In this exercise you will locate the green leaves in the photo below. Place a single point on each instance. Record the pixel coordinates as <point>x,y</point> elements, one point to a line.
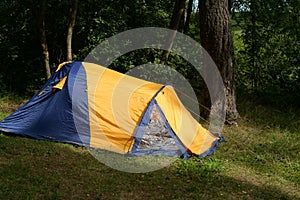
<point>20,53</point>
<point>268,59</point>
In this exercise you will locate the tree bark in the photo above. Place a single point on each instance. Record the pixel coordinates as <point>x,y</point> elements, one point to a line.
<point>42,35</point>
<point>174,25</point>
<point>216,38</point>
<point>188,16</point>
<point>73,12</point>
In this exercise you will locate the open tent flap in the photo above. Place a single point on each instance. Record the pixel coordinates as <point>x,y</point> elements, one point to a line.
<point>62,81</point>
<point>60,84</point>
<point>154,136</point>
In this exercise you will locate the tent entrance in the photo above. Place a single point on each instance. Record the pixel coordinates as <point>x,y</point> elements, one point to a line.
<point>154,135</point>
<point>157,135</point>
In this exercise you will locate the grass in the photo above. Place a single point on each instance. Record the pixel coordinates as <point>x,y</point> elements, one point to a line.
<point>260,160</point>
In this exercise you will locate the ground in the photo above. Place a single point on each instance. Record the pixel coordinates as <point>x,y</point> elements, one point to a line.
<point>260,160</point>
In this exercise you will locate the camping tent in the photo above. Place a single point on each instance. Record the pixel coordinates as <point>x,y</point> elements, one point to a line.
<point>93,106</point>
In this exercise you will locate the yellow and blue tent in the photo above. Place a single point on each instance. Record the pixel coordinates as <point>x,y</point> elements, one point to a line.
<point>93,106</point>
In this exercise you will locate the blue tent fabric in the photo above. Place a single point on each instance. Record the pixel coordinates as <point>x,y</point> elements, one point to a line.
<point>48,115</point>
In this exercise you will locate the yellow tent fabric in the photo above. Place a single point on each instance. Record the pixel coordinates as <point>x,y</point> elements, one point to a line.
<point>190,132</point>
<point>61,83</point>
<point>117,103</point>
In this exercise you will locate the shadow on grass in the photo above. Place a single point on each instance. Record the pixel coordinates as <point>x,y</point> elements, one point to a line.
<point>31,169</point>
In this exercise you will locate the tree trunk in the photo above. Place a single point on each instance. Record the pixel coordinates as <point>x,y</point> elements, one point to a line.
<point>42,35</point>
<point>174,25</point>
<point>254,48</point>
<point>216,38</point>
<point>73,12</point>
<point>188,16</point>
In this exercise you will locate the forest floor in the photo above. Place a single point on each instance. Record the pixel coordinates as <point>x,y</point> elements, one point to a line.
<point>260,160</point>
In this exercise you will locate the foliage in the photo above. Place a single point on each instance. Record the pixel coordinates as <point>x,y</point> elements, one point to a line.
<point>19,49</point>
<point>267,60</point>
<point>266,39</point>
<point>20,53</point>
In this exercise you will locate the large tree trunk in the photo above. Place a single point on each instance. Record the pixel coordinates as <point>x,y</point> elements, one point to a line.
<point>216,38</point>
<point>178,10</point>
<point>42,36</point>
<point>73,12</point>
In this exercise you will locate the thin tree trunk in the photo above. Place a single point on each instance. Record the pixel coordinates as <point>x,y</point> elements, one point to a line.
<point>73,12</point>
<point>42,36</point>
<point>254,46</point>
<point>175,21</point>
<point>188,16</point>
<point>216,38</point>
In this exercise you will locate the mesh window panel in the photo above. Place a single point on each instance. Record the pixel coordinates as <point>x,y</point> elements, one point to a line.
<point>157,136</point>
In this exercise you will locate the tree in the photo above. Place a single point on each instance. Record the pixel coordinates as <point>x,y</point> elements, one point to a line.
<point>216,38</point>
<point>179,7</point>
<point>188,12</point>
<point>73,12</point>
<point>268,61</point>
<point>42,35</point>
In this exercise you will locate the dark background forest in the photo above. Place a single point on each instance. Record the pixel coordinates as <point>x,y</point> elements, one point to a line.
<point>265,34</point>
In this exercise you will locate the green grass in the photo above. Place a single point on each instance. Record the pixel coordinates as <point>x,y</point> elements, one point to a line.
<point>260,160</point>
